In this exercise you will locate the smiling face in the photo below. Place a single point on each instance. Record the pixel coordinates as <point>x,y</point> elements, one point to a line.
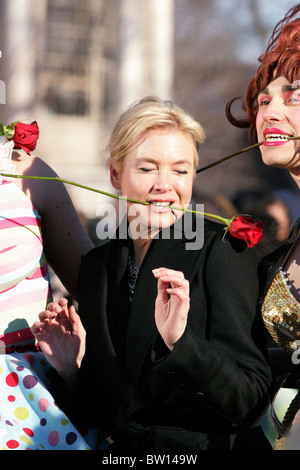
<point>159,171</point>
<point>278,117</point>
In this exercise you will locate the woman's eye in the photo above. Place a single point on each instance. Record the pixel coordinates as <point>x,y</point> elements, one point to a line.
<point>294,99</point>
<point>146,170</point>
<point>181,172</point>
<point>264,102</point>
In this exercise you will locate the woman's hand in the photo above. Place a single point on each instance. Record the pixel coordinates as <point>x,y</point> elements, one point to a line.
<point>61,337</point>
<point>172,304</point>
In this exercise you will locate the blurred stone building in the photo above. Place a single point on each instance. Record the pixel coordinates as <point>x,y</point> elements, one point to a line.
<point>73,65</point>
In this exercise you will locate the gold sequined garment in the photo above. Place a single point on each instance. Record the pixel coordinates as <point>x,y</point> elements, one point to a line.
<point>281,313</point>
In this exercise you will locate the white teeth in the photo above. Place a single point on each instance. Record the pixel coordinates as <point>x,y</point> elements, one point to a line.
<point>274,137</point>
<point>161,203</point>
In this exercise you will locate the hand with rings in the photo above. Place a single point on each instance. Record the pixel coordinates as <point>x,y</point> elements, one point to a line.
<point>172,304</point>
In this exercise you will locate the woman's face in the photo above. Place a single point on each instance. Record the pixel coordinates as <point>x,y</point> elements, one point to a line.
<point>279,116</point>
<point>159,171</point>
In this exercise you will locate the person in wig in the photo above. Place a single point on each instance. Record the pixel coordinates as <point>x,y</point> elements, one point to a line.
<point>272,104</point>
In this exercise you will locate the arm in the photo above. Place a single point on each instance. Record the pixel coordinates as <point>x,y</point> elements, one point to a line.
<point>221,361</point>
<point>64,237</point>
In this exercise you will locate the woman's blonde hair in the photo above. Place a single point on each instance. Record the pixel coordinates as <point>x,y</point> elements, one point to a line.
<point>147,114</point>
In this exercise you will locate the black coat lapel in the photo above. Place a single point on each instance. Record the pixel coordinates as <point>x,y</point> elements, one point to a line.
<point>101,280</point>
<point>117,300</point>
<point>93,287</point>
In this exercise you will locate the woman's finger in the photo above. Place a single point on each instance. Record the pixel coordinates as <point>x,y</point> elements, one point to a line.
<point>174,279</point>
<point>158,272</point>
<point>37,328</point>
<point>47,315</point>
<point>75,321</point>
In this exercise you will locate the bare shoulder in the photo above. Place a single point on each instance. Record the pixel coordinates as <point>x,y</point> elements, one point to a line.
<point>31,165</point>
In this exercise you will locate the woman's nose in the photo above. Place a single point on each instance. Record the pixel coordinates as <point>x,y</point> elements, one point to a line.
<point>162,182</point>
<point>274,111</point>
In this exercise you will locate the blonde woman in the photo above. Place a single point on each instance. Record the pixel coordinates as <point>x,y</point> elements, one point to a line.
<point>175,356</point>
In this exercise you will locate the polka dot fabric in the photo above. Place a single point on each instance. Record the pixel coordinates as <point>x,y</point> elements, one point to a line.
<point>29,416</point>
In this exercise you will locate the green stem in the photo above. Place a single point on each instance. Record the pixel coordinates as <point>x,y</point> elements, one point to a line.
<point>124,198</point>
<point>105,193</point>
<point>61,180</point>
<point>218,217</point>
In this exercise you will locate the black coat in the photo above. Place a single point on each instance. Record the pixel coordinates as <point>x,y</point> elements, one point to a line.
<point>213,384</point>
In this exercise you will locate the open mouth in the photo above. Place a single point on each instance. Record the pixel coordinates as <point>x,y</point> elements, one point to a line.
<point>162,207</point>
<point>277,137</point>
<point>162,203</point>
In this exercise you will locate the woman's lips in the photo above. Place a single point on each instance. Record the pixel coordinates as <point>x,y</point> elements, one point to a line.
<point>161,206</point>
<point>275,143</point>
<point>275,137</point>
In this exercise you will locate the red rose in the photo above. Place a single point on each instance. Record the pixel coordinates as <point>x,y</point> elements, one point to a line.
<point>25,136</point>
<point>247,229</point>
